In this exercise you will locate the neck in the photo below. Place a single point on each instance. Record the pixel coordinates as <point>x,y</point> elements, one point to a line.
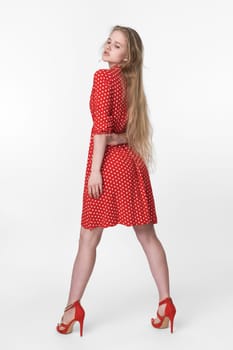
<point>111,65</point>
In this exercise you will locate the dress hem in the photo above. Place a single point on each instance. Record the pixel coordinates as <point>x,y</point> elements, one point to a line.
<point>120,223</point>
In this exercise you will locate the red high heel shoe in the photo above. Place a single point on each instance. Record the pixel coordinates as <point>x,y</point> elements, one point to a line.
<point>169,315</point>
<point>78,317</point>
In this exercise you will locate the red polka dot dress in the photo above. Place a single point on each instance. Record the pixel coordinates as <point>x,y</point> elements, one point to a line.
<point>127,196</point>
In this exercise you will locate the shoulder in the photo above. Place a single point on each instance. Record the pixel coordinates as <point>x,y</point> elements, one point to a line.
<point>102,72</point>
<point>103,75</point>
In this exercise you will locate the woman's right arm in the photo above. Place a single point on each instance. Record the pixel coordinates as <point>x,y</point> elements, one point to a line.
<point>116,139</point>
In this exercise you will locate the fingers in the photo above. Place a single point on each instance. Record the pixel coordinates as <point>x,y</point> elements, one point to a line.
<point>95,184</point>
<point>95,191</point>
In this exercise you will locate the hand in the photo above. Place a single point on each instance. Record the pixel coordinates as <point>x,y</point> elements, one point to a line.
<point>95,184</point>
<point>116,139</point>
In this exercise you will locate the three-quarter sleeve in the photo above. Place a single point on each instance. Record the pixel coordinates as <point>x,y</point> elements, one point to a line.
<point>101,99</point>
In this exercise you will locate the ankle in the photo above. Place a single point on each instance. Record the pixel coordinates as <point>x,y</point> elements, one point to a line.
<point>72,302</point>
<point>163,297</point>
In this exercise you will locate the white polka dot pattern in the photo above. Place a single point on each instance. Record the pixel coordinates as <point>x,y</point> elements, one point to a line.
<point>100,103</point>
<point>127,196</point>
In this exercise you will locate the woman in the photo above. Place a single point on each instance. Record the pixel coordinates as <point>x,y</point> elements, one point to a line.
<point>117,187</point>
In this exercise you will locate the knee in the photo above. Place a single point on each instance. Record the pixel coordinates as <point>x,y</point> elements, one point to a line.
<point>145,233</point>
<point>90,238</point>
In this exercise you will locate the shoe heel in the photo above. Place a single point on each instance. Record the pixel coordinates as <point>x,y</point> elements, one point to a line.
<point>171,324</point>
<point>81,327</point>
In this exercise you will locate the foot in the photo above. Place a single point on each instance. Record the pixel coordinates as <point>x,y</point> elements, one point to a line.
<point>67,317</point>
<point>161,311</point>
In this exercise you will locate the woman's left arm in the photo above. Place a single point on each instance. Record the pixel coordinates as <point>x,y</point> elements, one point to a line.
<point>95,179</point>
<point>100,142</point>
<point>103,124</point>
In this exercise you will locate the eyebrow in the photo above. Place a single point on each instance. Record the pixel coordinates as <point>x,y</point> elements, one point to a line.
<point>115,41</point>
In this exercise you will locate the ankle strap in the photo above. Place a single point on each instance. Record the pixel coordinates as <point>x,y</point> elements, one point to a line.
<point>165,301</point>
<point>68,307</point>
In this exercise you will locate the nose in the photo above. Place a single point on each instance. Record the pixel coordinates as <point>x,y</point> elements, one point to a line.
<point>108,47</point>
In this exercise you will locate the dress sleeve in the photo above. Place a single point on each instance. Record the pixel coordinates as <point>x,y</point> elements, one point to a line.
<point>102,103</point>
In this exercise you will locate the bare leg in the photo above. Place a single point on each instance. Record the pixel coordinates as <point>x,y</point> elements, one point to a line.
<point>156,258</point>
<point>83,266</point>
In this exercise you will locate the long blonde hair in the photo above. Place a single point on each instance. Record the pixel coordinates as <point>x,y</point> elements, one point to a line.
<point>139,129</point>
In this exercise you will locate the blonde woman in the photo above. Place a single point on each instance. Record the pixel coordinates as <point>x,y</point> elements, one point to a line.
<point>117,188</point>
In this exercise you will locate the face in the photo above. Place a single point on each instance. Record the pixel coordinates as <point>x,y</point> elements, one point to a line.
<point>115,49</point>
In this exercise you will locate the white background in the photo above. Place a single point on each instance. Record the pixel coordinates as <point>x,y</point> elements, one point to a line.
<point>49,52</point>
